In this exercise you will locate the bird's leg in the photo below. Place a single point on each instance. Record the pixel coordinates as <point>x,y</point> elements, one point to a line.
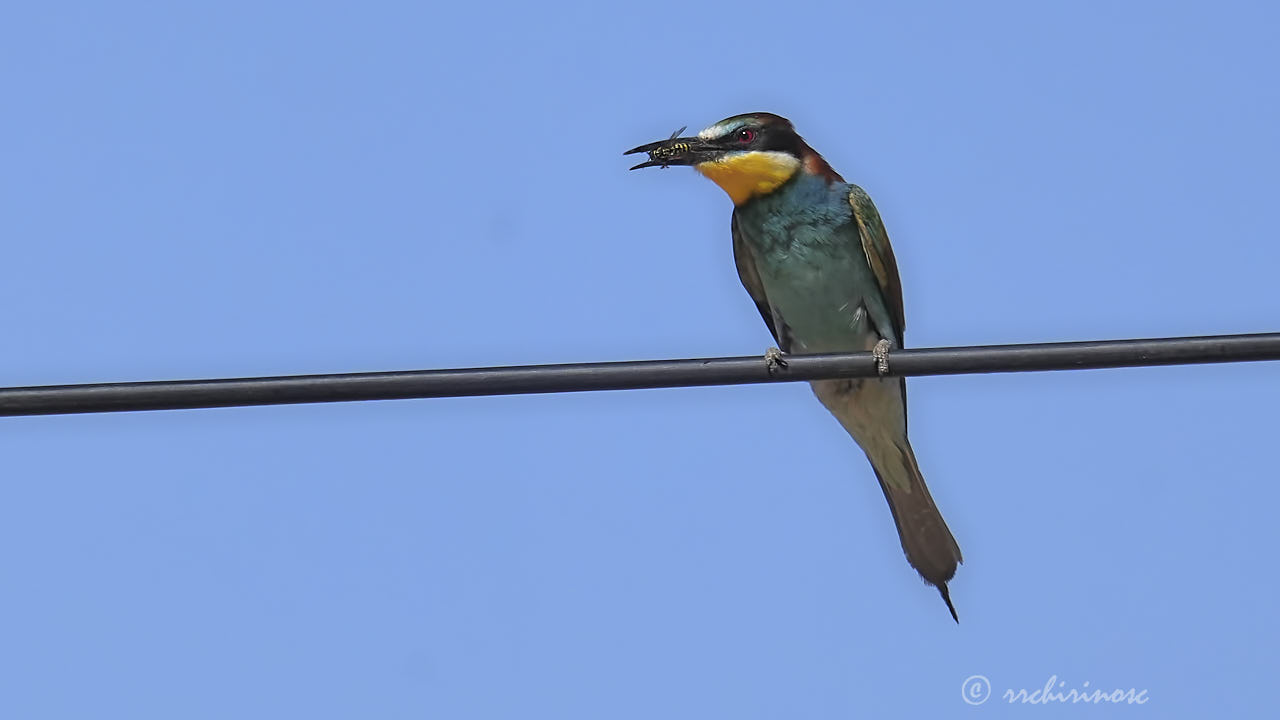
<point>773,360</point>
<point>881,353</point>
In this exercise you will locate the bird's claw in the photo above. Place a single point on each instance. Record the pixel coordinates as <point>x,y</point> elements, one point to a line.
<point>773,360</point>
<point>881,353</point>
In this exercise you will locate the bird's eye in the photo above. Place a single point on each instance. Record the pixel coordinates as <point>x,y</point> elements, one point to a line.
<point>746,135</point>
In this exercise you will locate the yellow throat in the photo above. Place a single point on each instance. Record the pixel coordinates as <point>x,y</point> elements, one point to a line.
<point>746,175</point>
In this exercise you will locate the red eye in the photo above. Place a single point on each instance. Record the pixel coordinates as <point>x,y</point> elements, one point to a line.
<point>746,135</point>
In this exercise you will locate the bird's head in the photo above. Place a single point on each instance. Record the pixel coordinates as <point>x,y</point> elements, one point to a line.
<point>746,155</point>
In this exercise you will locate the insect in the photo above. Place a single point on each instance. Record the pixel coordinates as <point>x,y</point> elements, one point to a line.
<point>664,153</point>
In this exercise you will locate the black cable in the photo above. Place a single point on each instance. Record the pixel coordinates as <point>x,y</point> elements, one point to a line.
<point>180,394</point>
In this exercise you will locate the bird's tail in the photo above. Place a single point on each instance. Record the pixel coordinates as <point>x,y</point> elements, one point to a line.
<point>873,411</point>
<point>926,540</point>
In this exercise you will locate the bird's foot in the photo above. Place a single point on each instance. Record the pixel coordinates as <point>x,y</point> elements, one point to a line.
<point>774,360</point>
<point>881,353</point>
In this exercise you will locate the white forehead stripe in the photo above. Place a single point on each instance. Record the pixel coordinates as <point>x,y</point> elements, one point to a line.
<point>720,129</point>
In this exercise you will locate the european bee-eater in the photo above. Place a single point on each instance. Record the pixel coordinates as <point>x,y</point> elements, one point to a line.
<point>813,254</point>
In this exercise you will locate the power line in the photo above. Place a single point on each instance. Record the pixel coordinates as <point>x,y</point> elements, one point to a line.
<point>187,394</point>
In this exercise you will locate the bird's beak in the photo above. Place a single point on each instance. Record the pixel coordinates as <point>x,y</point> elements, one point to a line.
<point>675,151</point>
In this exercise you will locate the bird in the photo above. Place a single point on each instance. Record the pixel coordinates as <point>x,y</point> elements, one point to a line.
<point>812,252</point>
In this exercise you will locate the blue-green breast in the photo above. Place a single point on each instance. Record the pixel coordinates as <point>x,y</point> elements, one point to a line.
<point>811,263</point>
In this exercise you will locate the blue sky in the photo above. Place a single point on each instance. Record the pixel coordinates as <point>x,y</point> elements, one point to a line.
<point>243,189</point>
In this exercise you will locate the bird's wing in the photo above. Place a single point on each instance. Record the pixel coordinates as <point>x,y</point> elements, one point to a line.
<point>750,278</point>
<point>875,244</point>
